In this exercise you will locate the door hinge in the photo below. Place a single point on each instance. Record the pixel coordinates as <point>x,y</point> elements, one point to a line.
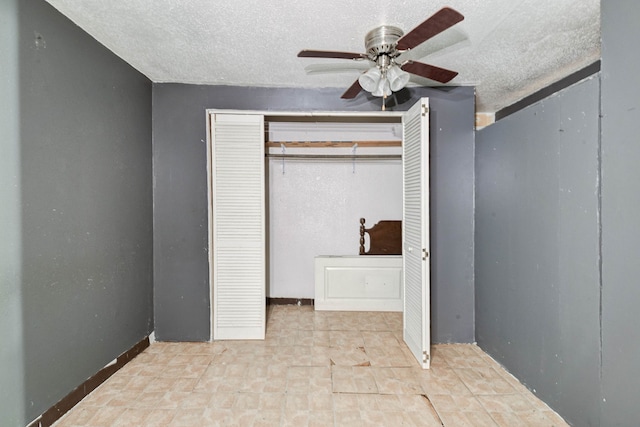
<point>425,110</point>
<point>425,254</point>
<point>425,357</point>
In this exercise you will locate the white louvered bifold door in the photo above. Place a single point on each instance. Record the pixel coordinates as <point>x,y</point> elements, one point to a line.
<point>415,230</point>
<point>238,219</point>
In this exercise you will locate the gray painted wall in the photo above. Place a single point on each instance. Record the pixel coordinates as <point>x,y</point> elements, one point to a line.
<point>620,207</point>
<point>12,402</point>
<point>180,198</point>
<point>583,306</point>
<point>537,248</point>
<point>77,208</point>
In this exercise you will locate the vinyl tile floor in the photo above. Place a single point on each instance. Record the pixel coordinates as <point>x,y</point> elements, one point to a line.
<point>313,369</point>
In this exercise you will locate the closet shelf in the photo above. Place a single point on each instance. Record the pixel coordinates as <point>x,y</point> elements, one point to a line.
<point>319,144</point>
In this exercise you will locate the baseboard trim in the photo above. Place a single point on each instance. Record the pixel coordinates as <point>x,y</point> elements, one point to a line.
<point>54,413</point>
<point>289,301</point>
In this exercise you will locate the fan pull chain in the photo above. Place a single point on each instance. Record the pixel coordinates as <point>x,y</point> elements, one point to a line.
<point>384,101</point>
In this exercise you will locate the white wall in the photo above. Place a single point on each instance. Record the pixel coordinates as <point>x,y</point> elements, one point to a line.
<point>315,205</point>
<point>315,209</point>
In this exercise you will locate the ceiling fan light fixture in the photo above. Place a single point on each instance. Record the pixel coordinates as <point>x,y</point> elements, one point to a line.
<point>397,78</point>
<point>383,88</point>
<point>371,79</point>
<point>383,83</point>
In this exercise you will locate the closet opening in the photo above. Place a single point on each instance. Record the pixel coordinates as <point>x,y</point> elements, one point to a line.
<point>287,188</point>
<point>322,175</point>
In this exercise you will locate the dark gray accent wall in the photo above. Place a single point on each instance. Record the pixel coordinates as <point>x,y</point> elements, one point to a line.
<point>182,310</point>
<point>12,402</point>
<point>596,317</point>
<point>77,209</point>
<point>620,208</point>
<point>537,248</point>
<point>452,223</point>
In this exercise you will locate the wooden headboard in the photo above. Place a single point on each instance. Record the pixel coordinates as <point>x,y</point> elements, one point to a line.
<point>385,238</point>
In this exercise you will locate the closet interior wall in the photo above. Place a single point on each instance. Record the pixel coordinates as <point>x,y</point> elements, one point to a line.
<point>323,175</point>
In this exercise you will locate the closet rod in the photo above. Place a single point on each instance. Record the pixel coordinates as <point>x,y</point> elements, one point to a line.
<point>335,156</point>
<point>317,144</point>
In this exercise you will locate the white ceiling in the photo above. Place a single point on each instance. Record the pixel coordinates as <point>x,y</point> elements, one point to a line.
<point>508,49</point>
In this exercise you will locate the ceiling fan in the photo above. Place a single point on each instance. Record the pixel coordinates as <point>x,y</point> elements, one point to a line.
<point>385,46</point>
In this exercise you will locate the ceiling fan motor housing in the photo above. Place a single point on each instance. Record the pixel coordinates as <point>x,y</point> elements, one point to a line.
<point>382,41</point>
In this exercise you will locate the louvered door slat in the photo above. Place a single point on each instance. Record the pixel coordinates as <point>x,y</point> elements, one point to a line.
<point>238,226</point>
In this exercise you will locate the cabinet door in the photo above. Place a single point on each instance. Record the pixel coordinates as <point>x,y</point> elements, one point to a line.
<point>238,226</point>
<point>415,230</point>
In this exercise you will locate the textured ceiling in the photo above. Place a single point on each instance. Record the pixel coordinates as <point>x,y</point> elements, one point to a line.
<point>507,49</point>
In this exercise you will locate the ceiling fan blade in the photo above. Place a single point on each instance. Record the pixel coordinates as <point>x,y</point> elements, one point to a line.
<point>432,72</point>
<point>353,91</point>
<point>437,23</point>
<point>330,54</point>
<point>333,67</point>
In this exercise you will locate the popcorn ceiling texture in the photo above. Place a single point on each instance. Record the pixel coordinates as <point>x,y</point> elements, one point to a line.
<point>508,49</point>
